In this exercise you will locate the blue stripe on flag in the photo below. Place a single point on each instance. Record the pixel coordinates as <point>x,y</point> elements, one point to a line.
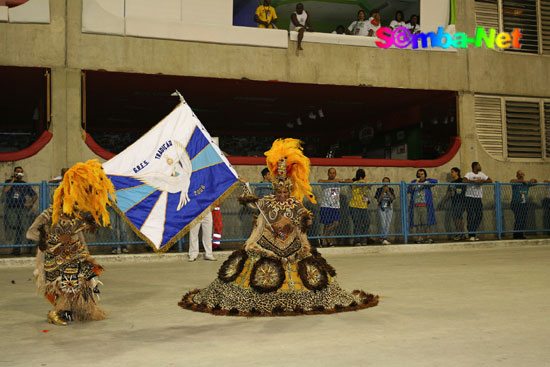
<point>139,213</point>
<point>197,142</point>
<point>127,198</point>
<point>124,182</point>
<point>207,157</point>
<point>215,179</point>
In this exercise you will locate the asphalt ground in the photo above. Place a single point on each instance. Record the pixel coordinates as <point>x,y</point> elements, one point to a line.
<point>481,305</point>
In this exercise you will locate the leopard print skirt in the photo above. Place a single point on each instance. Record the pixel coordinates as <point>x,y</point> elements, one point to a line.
<point>250,284</point>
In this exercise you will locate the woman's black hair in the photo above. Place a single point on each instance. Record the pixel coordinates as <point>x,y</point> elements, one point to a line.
<point>402,15</point>
<point>457,170</point>
<point>360,174</point>
<point>385,178</point>
<point>361,11</point>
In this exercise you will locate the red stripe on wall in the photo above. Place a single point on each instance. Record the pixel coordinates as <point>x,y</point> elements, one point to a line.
<point>97,149</point>
<point>29,151</point>
<point>365,162</point>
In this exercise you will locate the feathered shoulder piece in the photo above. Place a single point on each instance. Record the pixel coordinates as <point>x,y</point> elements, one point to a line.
<point>246,199</point>
<point>85,189</point>
<point>289,168</point>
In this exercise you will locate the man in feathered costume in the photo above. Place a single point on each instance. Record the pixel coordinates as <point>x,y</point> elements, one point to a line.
<point>277,272</point>
<point>65,272</point>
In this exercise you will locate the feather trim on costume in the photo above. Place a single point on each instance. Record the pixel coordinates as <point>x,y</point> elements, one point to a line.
<point>305,221</point>
<point>85,189</point>
<point>42,245</point>
<point>246,199</point>
<point>297,166</point>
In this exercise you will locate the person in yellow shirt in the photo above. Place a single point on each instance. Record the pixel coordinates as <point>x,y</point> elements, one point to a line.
<point>358,207</point>
<point>265,15</point>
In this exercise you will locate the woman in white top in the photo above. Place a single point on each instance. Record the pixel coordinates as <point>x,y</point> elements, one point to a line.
<point>398,22</point>
<point>413,25</point>
<point>359,27</point>
<point>299,22</point>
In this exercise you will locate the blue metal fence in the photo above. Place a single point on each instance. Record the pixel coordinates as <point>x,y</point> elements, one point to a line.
<point>345,214</point>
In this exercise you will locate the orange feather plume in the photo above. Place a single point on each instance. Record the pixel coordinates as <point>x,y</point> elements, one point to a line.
<point>85,189</point>
<point>297,166</point>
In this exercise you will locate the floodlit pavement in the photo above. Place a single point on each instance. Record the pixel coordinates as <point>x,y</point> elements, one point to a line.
<point>465,307</point>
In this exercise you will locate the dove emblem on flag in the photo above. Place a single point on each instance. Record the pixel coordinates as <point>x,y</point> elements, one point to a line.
<point>168,179</point>
<point>178,164</point>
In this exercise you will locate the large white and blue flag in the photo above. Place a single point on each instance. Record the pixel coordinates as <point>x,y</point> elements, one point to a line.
<point>167,180</point>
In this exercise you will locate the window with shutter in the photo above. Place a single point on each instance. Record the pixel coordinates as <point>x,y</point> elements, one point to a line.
<point>522,14</point>
<point>488,118</point>
<point>545,27</point>
<point>486,12</point>
<point>523,131</point>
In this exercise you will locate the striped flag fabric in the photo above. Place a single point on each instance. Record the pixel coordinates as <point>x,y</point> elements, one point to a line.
<point>168,179</point>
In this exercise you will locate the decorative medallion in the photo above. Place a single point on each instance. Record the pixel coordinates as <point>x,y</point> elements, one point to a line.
<point>233,266</point>
<point>267,275</point>
<point>313,274</point>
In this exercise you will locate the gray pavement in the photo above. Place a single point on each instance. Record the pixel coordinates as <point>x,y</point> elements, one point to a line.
<point>469,306</point>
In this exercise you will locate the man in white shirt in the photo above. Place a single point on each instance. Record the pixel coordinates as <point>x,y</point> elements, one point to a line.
<point>474,196</point>
<point>329,215</point>
<point>300,22</point>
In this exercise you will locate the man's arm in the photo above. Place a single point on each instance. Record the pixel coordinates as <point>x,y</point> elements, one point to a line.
<point>308,23</point>
<point>294,20</point>
<point>7,188</point>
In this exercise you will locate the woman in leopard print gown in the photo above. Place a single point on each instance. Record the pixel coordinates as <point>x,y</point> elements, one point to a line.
<point>277,272</point>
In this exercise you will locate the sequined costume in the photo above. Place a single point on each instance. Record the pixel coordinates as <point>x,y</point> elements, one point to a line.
<point>277,272</point>
<point>65,272</point>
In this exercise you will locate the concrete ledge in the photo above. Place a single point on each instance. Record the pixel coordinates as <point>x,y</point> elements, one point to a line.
<point>34,11</point>
<point>345,250</point>
<point>3,13</point>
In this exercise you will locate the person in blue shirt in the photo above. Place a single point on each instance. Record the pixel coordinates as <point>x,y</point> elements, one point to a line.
<point>17,208</point>
<point>519,203</point>
<point>421,206</point>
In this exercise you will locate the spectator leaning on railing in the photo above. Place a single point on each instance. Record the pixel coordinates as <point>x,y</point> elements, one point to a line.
<point>421,208</point>
<point>519,203</point>
<point>385,197</point>
<point>458,205</point>
<point>329,214</point>
<point>358,207</point>
<point>17,208</point>
<point>474,196</point>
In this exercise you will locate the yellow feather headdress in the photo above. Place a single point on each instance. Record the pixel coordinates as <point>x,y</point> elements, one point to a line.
<point>289,167</point>
<point>85,189</point>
